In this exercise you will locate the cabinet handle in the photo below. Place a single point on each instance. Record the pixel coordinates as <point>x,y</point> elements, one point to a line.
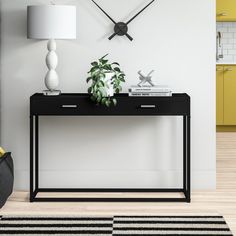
<point>222,14</point>
<point>219,69</point>
<point>69,106</point>
<point>228,69</point>
<point>147,106</point>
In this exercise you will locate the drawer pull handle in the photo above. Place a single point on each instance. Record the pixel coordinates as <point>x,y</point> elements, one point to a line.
<point>229,69</point>
<point>148,106</point>
<point>222,14</point>
<point>69,106</point>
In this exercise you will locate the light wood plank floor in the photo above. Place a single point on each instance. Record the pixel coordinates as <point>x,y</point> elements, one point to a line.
<point>222,201</point>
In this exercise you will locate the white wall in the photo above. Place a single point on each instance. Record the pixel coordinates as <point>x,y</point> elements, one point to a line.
<point>174,37</point>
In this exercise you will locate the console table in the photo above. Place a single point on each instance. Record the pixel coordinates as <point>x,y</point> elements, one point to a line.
<point>81,105</point>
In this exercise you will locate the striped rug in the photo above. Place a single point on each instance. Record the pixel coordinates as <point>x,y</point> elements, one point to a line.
<point>116,225</point>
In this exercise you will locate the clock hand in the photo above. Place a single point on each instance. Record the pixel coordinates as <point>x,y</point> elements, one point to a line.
<point>103,11</point>
<point>113,35</point>
<point>140,12</point>
<point>129,37</point>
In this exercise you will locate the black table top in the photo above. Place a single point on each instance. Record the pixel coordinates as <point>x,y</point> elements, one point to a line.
<point>73,104</point>
<point>121,95</point>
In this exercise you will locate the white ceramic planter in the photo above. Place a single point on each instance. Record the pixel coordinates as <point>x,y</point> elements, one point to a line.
<point>108,81</point>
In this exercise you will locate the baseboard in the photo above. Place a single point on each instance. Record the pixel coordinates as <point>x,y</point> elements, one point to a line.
<point>226,128</point>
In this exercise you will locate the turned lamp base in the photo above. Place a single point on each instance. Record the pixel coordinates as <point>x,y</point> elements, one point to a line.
<point>51,78</point>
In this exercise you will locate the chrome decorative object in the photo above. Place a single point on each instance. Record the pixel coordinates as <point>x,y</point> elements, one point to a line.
<point>145,79</point>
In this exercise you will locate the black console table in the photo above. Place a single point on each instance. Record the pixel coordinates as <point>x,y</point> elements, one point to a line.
<point>80,105</point>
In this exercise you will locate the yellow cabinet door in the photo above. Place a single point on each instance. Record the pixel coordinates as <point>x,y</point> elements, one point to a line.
<point>225,10</point>
<point>219,95</point>
<point>230,95</point>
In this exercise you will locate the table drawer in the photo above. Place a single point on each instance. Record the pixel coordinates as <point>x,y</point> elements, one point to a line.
<point>161,108</point>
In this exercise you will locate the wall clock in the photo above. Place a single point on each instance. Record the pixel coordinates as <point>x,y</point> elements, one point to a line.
<point>121,28</point>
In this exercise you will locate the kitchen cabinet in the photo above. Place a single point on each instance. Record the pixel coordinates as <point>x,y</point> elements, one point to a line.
<point>230,95</point>
<point>225,10</point>
<point>226,95</point>
<point>220,95</point>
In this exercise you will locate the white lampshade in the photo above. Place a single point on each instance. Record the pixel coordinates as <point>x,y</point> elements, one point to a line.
<point>51,22</point>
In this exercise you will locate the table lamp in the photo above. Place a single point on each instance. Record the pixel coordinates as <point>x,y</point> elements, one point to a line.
<point>51,22</point>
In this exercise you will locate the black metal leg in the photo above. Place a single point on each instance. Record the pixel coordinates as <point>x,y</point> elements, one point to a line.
<point>34,174</point>
<point>31,158</point>
<point>36,152</point>
<point>184,153</point>
<point>188,193</point>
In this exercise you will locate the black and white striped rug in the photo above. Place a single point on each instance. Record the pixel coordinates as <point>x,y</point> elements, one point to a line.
<point>116,225</point>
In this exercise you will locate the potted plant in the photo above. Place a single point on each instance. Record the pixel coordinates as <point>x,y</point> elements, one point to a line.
<point>106,79</point>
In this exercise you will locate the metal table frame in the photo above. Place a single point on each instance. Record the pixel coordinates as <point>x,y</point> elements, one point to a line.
<point>34,175</point>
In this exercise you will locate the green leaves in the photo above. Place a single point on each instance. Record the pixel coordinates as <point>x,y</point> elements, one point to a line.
<point>121,77</point>
<point>117,69</point>
<point>100,84</point>
<point>90,89</point>
<point>88,79</point>
<point>104,57</point>
<point>94,63</point>
<point>103,92</point>
<point>93,98</point>
<point>114,101</point>
<point>93,69</point>
<point>103,102</point>
<point>108,102</point>
<point>103,62</point>
<point>107,67</point>
<point>115,63</point>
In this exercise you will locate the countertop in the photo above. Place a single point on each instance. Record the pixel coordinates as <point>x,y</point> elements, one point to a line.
<point>225,63</point>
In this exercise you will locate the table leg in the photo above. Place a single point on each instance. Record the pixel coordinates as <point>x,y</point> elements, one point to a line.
<point>184,153</point>
<point>31,158</point>
<point>188,195</point>
<point>36,153</point>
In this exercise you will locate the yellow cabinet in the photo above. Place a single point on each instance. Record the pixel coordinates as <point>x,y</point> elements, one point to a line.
<point>219,95</point>
<point>226,10</point>
<point>229,95</point>
<point>226,95</point>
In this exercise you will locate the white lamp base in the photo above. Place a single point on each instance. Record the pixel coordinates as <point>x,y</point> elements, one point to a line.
<point>51,78</point>
<point>51,93</point>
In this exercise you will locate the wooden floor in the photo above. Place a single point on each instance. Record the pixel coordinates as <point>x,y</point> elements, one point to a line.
<point>222,201</point>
